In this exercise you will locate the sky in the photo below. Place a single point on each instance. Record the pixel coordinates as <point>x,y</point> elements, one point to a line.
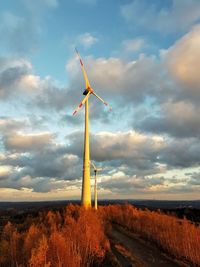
<point>141,56</point>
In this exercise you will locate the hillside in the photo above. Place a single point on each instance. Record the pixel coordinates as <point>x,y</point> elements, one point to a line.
<point>72,236</point>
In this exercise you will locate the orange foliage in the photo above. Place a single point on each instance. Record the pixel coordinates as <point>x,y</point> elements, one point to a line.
<point>179,237</point>
<point>73,238</point>
<point>10,241</point>
<point>39,254</point>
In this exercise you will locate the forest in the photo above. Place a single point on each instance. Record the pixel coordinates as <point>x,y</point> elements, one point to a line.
<point>76,237</point>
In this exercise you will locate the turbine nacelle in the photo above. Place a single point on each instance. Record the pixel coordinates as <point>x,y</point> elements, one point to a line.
<point>89,90</point>
<point>95,183</point>
<point>95,168</point>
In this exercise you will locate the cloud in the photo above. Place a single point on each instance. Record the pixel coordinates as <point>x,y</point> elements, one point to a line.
<point>50,96</point>
<point>133,45</point>
<point>171,77</point>
<point>181,153</point>
<point>147,186</point>
<point>148,89</point>
<point>10,125</point>
<point>27,143</point>
<point>119,79</point>
<point>178,119</point>
<point>18,81</point>
<point>4,172</point>
<point>177,112</point>
<point>15,29</point>
<point>41,175</point>
<point>194,178</point>
<point>87,40</point>
<point>183,62</point>
<point>131,162</point>
<point>14,76</point>
<point>130,148</point>
<point>126,185</point>
<point>144,154</point>
<point>37,162</point>
<point>40,184</point>
<point>71,120</point>
<point>176,16</point>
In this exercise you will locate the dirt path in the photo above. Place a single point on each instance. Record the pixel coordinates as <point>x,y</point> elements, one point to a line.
<point>122,260</point>
<point>137,252</point>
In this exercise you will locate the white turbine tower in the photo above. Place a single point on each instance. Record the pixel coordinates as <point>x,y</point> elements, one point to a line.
<point>96,170</point>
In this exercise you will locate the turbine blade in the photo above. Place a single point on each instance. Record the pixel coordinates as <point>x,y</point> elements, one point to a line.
<point>87,83</point>
<point>105,103</point>
<point>81,104</point>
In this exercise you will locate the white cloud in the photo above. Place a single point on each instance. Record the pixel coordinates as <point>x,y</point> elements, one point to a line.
<point>183,61</point>
<point>87,40</point>
<point>22,142</point>
<point>29,82</point>
<point>5,171</point>
<point>124,79</point>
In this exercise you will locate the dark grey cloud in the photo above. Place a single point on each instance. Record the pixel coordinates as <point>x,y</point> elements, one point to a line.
<point>182,189</point>
<point>11,73</point>
<point>178,119</point>
<point>126,185</point>
<point>136,152</point>
<point>10,125</point>
<point>37,169</point>
<point>68,119</point>
<point>52,97</point>
<point>133,186</point>
<point>38,157</point>
<point>181,153</point>
<point>194,178</point>
<point>139,167</point>
<point>139,151</point>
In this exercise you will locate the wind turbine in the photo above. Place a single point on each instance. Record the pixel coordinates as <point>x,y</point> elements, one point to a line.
<point>95,183</point>
<point>86,193</point>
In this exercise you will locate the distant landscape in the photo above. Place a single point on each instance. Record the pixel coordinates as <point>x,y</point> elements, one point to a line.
<point>151,204</point>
